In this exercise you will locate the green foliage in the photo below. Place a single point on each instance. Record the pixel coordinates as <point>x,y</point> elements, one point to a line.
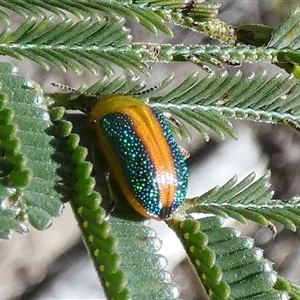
<point>47,156</point>
<point>29,181</point>
<point>230,267</point>
<point>246,200</point>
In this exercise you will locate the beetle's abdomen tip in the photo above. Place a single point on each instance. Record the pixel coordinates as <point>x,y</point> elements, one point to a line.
<point>165,213</point>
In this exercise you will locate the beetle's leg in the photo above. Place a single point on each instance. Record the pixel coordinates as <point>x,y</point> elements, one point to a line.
<point>184,152</point>
<point>172,119</point>
<point>181,129</point>
<point>99,170</point>
<point>149,90</point>
<point>112,196</point>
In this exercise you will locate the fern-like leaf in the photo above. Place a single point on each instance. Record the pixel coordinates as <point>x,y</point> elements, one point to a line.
<point>87,43</point>
<point>83,9</point>
<point>228,264</point>
<point>29,180</point>
<point>246,200</point>
<point>215,98</point>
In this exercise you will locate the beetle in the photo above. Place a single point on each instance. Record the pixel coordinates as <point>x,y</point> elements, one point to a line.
<point>141,151</point>
<point>142,154</point>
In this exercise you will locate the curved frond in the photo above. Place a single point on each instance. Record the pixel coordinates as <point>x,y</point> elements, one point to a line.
<point>29,181</point>
<point>228,264</point>
<point>123,85</point>
<point>194,15</point>
<point>215,98</point>
<point>87,43</point>
<point>246,200</point>
<point>211,101</point>
<point>82,9</point>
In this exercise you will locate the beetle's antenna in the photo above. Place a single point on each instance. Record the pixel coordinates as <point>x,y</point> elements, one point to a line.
<point>70,89</point>
<point>149,90</point>
<point>84,107</point>
<point>64,87</point>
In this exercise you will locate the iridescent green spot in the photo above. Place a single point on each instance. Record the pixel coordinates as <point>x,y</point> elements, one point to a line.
<point>96,253</point>
<point>85,224</point>
<point>91,238</point>
<point>191,249</point>
<point>79,210</point>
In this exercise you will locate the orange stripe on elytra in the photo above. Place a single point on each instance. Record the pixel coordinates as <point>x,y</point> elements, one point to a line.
<point>149,130</point>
